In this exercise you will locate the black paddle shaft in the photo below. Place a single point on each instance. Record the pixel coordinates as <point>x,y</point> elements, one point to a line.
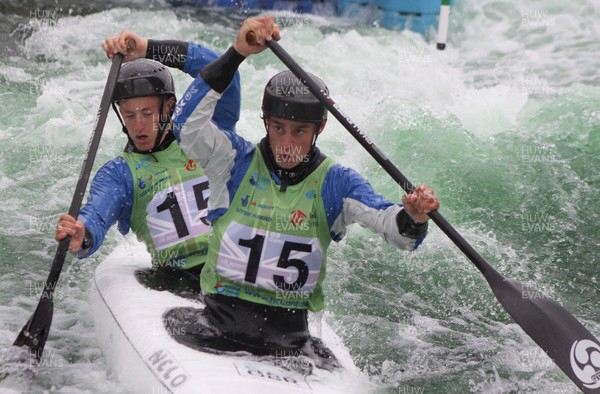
<point>35,331</point>
<point>564,339</point>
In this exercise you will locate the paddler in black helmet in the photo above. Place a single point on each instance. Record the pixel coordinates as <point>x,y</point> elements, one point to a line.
<point>275,207</point>
<point>145,95</point>
<point>153,187</point>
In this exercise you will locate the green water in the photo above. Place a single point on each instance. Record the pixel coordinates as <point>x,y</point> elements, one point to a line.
<point>504,124</point>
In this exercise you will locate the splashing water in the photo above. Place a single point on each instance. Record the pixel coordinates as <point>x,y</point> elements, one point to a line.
<point>504,124</point>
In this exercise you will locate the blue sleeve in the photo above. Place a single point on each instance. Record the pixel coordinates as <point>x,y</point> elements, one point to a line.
<point>244,150</point>
<point>110,200</point>
<point>198,57</point>
<point>223,154</point>
<point>343,186</point>
<point>227,112</point>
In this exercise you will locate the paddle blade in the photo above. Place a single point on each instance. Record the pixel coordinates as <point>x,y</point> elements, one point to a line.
<point>35,332</point>
<point>570,345</point>
<point>564,339</point>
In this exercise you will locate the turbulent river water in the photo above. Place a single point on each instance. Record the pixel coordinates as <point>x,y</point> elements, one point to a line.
<point>504,125</point>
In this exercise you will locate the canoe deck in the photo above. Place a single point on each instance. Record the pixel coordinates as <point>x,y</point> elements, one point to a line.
<point>137,341</point>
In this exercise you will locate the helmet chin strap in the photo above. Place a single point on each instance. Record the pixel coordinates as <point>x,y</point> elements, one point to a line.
<point>320,127</point>
<point>123,127</point>
<point>314,141</point>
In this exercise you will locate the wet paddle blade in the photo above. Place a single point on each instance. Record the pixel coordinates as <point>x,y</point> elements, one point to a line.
<point>568,343</point>
<point>35,332</point>
<point>562,337</point>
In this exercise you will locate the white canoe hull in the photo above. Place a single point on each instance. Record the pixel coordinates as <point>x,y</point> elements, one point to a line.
<point>128,319</point>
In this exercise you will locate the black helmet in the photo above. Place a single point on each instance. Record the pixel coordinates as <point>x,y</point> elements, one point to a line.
<point>143,77</point>
<point>287,97</point>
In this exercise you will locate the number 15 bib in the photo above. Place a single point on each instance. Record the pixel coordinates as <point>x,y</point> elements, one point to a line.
<point>270,246</point>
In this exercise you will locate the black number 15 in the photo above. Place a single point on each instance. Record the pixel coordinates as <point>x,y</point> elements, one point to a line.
<point>256,245</point>
<point>172,205</point>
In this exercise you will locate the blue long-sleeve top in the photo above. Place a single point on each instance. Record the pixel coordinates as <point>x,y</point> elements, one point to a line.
<point>110,198</point>
<point>225,157</point>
